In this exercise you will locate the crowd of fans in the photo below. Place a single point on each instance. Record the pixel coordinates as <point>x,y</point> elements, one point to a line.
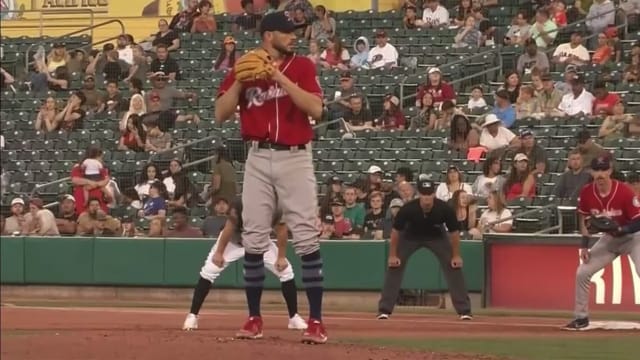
<point>366,207</point>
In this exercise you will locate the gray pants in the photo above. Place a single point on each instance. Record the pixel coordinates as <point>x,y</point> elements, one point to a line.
<point>442,249</point>
<point>603,252</point>
<point>285,177</point>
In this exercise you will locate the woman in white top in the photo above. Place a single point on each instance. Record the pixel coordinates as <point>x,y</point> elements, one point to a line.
<point>490,180</point>
<point>136,106</point>
<point>452,184</point>
<point>150,174</point>
<point>496,210</point>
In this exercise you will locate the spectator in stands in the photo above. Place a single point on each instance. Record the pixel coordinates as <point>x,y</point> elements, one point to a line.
<point>549,98</point>
<point>559,11</point>
<point>572,53</point>
<point>227,57</point>
<point>136,107</point>
<point>357,116</point>
<point>247,21</point>
<point>544,30</point>
<point>223,181</point>
<point>94,98</point>
<point>164,65</point>
<point>335,56</point>
<point>45,121</point>
<point>133,137</point>
<point>588,148</point>
<point>112,99</point>
<point>150,173</point>
<point>476,100</point>
<point>213,224</point>
<point>391,117</point>
<point>178,185</point>
<point>77,62</point>
<point>353,210</point>
<point>491,178</point>
<point>301,23</point>
<point>527,104</point>
<point>155,204</point>
<point>205,22</point>
<point>601,15</point>
<point>536,155</point>
<point>536,82</point>
<point>374,219</point>
<point>518,32</point>
<point>98,59</point>
<point>124,48</point>
<point>94,221</point>
<point>444,116</point>
<point>437,87</point>
<point>468,35</point>
<point>165,36</point>
<point>128,228</point>
<point>163,95</point>
<point>579,101</point>
<point>183,21</point>
<point>503,108</point>
<point>93,168</point>
<point>130,198</point>
<point>292,5</point>
<point>604,101</point>
<point>394,207</point>
<point>418,4</point>
<point>494,136</point>
<point>361,52</point>
<point>521,181</point>
<point>112,70</point>
<point>362,187</point>
<point>43,80</point>
<point>337,225</point>
<point>570,183</point>
<point>95,188</point>
<point>57,57</point>
<point>632,71</point>
<point>633,180</point>
<point>383,54</point>
<point>139,68</point>
<point>484,26</point>
<point>410,21</point>
<point>461,11</point>
<point>340,104</point>
<point>496,210</point>
<point>616,125</point>
<point>462,135</point>
<point>157,140</point>
<point>532,59</point>
<point>67,218</point>
<point>314,52</point>
<point>181,227</point>
<point>453,182</point>
<point>157,227</point>
<point>427,116</point>
<point>323,27</point>
<point>406,191</point>
<point>334,190</point>
<point>18,222</point>
<point>43,221</point>
<point>5,78</point>
<point>72,116</point>
<point>435,15</point>
<point>464,205</point>
<point>512,83</point>
<point>604,52</point>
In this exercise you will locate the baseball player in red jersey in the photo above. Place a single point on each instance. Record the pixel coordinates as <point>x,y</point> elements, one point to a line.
<point>609,198</point>
<point>274,120</point>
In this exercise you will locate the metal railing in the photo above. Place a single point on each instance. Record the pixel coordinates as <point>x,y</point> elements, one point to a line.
<point>108,22</point>
<point>519,215</point>
<point>181,146</point>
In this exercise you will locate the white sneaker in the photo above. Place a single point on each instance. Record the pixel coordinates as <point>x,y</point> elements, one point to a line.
<point>382,316</point>
<point>190,323</point>
<point>297,323</point>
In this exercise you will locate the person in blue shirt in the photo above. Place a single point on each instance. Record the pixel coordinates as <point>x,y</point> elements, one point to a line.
<point>155,205</point>
<point>503,108</point>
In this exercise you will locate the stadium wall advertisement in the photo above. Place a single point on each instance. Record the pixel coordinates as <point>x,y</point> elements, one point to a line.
<point>154,8</point>
<point>540,274</point>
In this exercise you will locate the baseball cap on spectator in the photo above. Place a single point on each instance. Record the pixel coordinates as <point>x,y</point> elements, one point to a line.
<point>337,201</point>
<point>490,120</point>
<point>335,180</point>
<point>453,167</point>
<point>17,201</point>
<point>393,99</point>
<point>426,187</point>
<point>571,68</point>
<point>108,47</point>
<point>601,163</point>
<point>126,219</point>
<point>503,94</point>
<point>583,136</point>
<point>374,169</point>
<point>58,45</point>
<point>68,197</point>
<point>526,132</point>
<point>520,157</point>
<point>381,34</point>
<point>328,219</point>
<point>89,76</point>
<point>277,21</point>
<point>396,203</point>
<point>577,79</point>
<point>434,69</point>
<point>345,75</point>
<point>229,40</point>
<point>611,32</point>
<point>37,202</point>
<point>546,77</point>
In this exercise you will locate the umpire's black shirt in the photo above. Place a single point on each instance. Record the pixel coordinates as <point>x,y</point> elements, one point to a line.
<point>416,224</point>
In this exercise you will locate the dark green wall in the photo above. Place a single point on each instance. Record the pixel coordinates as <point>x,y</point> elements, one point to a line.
<point>349,265</point>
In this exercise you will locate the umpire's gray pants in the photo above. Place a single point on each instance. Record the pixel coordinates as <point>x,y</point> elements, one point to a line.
<point>442,249</point>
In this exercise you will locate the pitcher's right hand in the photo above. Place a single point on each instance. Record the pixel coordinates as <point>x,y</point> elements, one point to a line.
<point>218,260</point>
<point>393,262</point>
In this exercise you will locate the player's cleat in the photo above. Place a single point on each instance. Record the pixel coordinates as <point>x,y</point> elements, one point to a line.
<point>577,324</point>
<point>315,333</point>
<point>297,323</point>
<point>382,316</point>
<point>190,323</point>
<point>252,329</point>
<point>466,317</point>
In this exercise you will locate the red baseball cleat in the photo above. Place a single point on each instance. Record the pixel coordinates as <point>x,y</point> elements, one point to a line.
<point>252,329</point>
<point>315,333</point>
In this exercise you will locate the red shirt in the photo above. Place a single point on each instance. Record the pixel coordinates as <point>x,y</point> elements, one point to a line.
<point>605,104</point>
<point>515,192</point>
<point>440,93</point>
<point>560,18</point>
<point>391,121</point>
<point>621,204</point>
<point>78,191</point>
<point>267,112</point>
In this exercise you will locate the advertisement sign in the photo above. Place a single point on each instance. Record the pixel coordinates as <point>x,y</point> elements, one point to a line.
<point>542,277</point>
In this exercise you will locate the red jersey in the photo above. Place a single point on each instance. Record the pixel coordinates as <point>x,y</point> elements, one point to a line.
<point>605,105</point>
<point>267,112</point>
<point>78,191</point>
<point>440,93</point>
<point>621,204</point>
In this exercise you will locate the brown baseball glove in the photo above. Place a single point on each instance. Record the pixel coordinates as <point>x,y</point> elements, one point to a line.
<point>254,65</point>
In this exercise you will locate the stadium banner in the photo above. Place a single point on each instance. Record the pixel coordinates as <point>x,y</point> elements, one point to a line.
<point>525,272</point>
<point>23,9</point>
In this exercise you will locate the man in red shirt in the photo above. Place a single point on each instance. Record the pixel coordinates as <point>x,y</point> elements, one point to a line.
<point>274,118</point>
<point>604,102</point>
<point>604,197</point>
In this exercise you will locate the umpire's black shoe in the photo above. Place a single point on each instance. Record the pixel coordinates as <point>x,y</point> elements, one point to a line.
<point>577,324</point>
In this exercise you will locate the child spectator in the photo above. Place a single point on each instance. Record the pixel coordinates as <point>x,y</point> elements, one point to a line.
<point>336,225</point>
<point>476,100</point>
<point>155,204</point>
<point>496,210</point>
<point>335,56</point>
<point>373,221</point>
<point>361,49</point>
<point>559,13</point>
<point>93,169</point>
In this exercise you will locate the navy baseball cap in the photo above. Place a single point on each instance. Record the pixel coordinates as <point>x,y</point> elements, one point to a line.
<point>426,187</point>
<point>277,21</point>
<point>601,163</point>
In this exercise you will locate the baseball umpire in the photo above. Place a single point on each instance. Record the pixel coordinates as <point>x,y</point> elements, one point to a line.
<point>608,206</point>
<point>277,92</point>
<point>228,249</point>
<point>420,223</point>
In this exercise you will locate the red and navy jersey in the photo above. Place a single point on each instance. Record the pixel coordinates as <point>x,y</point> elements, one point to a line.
<point>619,204</point>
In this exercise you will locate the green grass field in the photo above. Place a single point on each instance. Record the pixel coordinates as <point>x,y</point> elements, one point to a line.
<point>624,347</point>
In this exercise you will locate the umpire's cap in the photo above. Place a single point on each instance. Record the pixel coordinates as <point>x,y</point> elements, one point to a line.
<point>277,21</point>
